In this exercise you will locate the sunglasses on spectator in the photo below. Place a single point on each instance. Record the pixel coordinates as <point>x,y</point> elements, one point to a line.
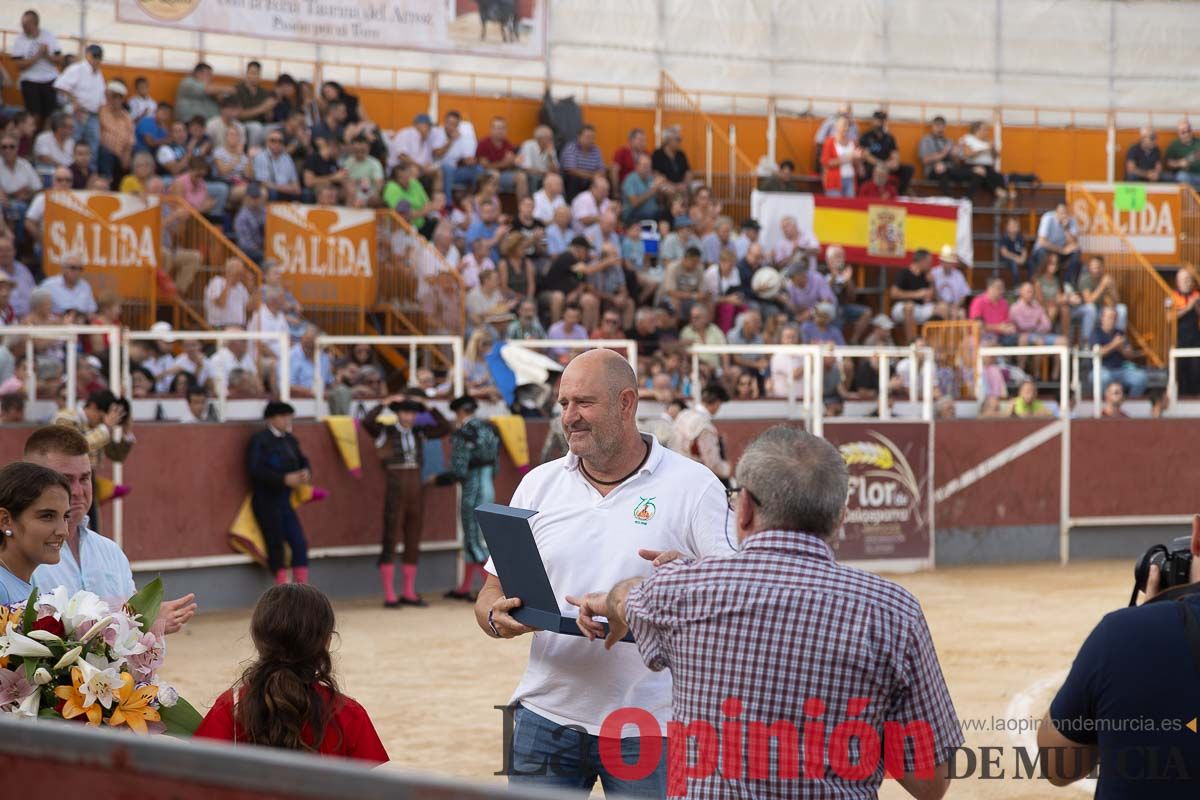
<point>62,178</point>
<point>8,147</point>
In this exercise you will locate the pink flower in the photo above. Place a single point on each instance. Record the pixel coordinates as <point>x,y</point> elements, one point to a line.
<point>147,663</point>
<point>13,689</point>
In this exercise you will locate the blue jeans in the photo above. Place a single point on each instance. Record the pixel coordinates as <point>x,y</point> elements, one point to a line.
<point>460,176</point>
<point>89,132</point>
<point>847,189</point>
<point>547,755</point>
<point>1129,375</point>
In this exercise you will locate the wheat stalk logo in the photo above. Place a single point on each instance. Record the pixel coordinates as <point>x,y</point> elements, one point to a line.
<point>868,453</point>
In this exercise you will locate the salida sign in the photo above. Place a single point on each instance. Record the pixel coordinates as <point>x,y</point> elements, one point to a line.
<point>1151,224</point>
<point>328,253</point>
<point>116,236</point>
<point>887,513</point>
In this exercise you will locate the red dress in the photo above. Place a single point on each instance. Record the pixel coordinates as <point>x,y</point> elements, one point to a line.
<point>358,738</point>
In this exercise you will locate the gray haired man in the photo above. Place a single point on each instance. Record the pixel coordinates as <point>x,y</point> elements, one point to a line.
<point>779,634</point>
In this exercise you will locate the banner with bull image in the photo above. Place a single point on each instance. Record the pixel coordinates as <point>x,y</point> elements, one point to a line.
<point>329,254</point>
<point>117,237</point>
<point>507,28</point>
<point>889,514</point>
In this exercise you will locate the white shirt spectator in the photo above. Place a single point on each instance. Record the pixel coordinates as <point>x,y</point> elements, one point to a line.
<point>984,157</point>
<point>218,366</point>
<point>234,310</point>
<point>142,107</point>
<point>266,322</point>
<point>543,206</point>
<point>717,285</point>
<point>407,142</point>
<point>784,248</point>
<point>37,209</point>
<point>586,541</point>
<point>464,146</point>
<point>167,154</point>
<point>42,70</point>
<point>21,175</point>
<point>66,298</point>
<point>784,368</point>
<point>532,156</point>
<point>584,205</point>
<point>85,83</point>
<point>182,362</point>
<point>47,146</point>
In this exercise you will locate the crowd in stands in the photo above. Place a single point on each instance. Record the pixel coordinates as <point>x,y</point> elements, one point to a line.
<point>568,242</point>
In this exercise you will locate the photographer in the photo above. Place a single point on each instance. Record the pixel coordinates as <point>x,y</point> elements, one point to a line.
<point>1133,689</point>
<point>400,426</point>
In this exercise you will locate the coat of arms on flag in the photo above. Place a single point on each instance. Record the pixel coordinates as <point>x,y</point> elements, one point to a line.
<point>885,231</point>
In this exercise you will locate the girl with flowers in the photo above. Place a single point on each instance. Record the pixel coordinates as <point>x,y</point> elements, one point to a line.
<point>288,697</point>
<point>34,504</point>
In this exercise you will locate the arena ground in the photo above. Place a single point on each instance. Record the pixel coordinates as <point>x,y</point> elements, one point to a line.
<point>430,679</point>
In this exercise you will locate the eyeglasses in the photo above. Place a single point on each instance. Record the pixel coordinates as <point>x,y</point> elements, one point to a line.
<point>274,140</point>
<point>8,147</point>
<point>732,493</point>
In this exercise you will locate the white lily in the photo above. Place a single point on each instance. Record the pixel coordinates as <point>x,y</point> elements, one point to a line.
<point>45,636</point>
<point>30,705</point>
<point>99,685</point>
<point>125,637</point>
<point>17,644</point>
<point>69,658</point>
<point>73,609</point>
<point>96,629</point>
<point>42,676</point>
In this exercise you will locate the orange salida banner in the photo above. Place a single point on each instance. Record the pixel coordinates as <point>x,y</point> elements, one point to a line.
<point>328,253</point>
<point>118,237</point>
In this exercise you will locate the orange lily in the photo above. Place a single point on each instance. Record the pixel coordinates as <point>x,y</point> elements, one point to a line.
<point>133,706</point>
<point>74,706</point>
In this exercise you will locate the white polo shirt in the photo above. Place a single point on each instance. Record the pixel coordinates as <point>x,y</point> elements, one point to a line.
<point>589,543</point>
<point>86,84</point>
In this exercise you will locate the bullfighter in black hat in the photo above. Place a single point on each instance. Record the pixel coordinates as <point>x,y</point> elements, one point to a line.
<point>400,441</point>
<point>276,466</point>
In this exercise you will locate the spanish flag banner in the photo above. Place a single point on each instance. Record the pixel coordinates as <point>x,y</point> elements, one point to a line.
<point>246,537</point>
<point>872,231</point>
<point>344,431</point>
<point>514,438</point>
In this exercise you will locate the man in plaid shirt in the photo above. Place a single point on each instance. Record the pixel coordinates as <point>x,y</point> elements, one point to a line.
<point>835,664</point>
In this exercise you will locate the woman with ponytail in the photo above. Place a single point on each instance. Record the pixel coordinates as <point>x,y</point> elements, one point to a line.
<point>288,697</point>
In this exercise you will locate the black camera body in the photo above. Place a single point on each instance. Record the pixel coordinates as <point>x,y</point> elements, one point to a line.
<point>1174,564</point>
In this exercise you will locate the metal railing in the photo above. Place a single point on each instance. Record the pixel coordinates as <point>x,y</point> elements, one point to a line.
<point>812,386</point>
<point>416,280</point>
<point>196,252</point>
<point>69,335</point>
<point>1172,371</point>
<point>413,343</point>
<point>1141,288</point>
<point>283,365</point>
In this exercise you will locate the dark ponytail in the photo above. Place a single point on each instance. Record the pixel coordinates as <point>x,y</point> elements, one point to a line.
<point>280,692</point>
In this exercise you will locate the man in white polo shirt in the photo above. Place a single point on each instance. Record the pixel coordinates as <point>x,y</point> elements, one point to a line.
<point>615,502</point>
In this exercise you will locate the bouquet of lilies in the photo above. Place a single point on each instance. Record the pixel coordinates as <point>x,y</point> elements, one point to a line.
<point>76,657</point>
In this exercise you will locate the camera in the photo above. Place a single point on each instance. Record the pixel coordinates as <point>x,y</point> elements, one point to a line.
<point>1174,564</point>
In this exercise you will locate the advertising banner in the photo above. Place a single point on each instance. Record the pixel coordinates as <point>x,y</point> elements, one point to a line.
<point>1147,213</point>
<point>116,236</point>
<point>507,28</point>
<point>888,516</point>
<point>872,231</point>
<point>328,253</point>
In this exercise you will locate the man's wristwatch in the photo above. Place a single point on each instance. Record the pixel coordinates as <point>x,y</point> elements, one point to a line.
<point>492,625</point>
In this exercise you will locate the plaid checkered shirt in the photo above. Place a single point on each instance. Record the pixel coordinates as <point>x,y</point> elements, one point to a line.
<point>796,639</point>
